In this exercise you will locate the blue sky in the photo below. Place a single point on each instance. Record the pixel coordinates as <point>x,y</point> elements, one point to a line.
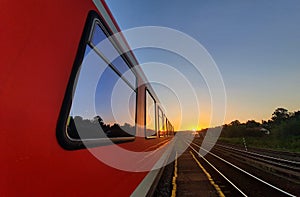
<point>256,45</point>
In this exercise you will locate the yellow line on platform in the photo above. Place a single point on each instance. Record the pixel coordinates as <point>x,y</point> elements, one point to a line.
<point>174,178</point>
<point>212,182</point>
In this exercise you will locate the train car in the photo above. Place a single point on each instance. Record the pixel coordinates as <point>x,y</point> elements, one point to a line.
<point>73,100</point>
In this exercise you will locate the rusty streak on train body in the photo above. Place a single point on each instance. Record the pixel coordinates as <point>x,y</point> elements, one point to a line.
<point>42,46</point>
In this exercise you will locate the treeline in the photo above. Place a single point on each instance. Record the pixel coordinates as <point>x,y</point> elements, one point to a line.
<point>79,127</point>
<point>249,129</point>
<point>282,124</point>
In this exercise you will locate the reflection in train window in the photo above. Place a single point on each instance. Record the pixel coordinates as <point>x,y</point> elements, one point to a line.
<point>168,125</point>
<point>167,129</point>
<point>160,122</point>
<point>106,49</point>
<point>128,75</point>
<point>164,125</point>
<point>104,101</point>
<point>150,116</point>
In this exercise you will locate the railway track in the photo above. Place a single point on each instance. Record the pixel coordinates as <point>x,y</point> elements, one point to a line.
<point>283,155</point>
<point>284,168</point>
<point>240,173</point>
<point>277,161</point>
<point>240,170</point>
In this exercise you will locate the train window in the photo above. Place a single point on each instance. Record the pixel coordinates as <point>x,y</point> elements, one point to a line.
<point>106,49</point>
<point>167,127</point>
<point>128,75</point>
<point>150,116</point>
<point>103,104</point>
<point>160,122</point>
<point>103,96</point>
<point>164,124</point>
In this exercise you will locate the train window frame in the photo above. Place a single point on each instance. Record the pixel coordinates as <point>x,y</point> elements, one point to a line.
<point>145,115</point>
<point>61,130</point>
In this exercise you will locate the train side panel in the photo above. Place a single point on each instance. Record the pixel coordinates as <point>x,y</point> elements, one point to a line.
<point>39,42</point>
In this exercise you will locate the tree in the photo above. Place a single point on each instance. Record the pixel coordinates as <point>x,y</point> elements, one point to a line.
<point>266,124</point>
<point>279,115</point>
<point>98,119</point>
<point>78,119</point>
<point>297,114</point>
<point>252,124</point>
<point>235,123</point>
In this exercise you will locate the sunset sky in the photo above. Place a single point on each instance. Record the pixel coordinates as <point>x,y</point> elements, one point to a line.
<point>255,44</point>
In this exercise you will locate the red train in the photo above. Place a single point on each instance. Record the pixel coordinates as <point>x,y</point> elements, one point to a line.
<point>71,106</point>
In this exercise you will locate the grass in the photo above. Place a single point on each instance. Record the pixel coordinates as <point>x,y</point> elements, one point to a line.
<point>290,144</point>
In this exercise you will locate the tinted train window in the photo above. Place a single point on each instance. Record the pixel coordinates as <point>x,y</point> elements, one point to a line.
<point>106,49</point>
<point>104,96</point>
<point>160,121</point>
<point>150,115</point>
<point>168,127</point>
<point>164,125</point>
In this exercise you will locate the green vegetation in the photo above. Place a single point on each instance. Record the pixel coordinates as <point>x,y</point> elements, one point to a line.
<point>282,132</point>
<point>291,144</point>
